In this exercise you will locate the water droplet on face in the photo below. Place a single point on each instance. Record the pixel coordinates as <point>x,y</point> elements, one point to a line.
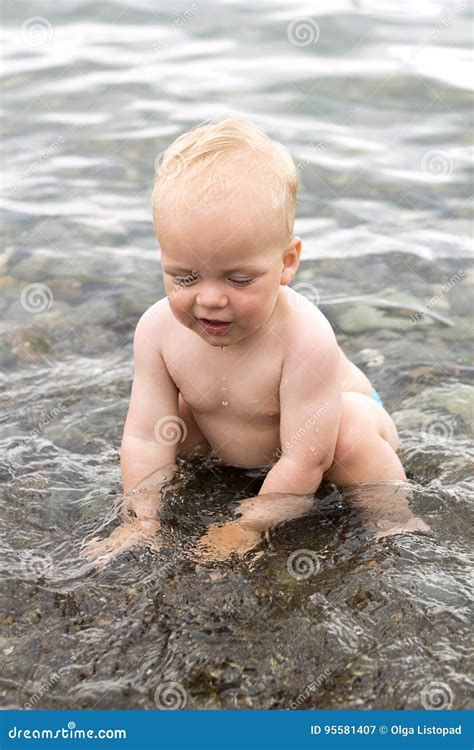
<point>225,403</point>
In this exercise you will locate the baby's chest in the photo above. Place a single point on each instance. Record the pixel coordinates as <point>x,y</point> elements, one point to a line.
<point>247,389</point>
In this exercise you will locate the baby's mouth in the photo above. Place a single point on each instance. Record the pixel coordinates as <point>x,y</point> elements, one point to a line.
<point>216,327</point>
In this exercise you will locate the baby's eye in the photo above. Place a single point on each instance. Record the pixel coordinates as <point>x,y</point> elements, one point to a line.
<point>241,282</point>
<point>190,278</point>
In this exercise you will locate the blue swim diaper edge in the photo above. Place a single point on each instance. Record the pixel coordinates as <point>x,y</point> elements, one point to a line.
<point>376,397</point>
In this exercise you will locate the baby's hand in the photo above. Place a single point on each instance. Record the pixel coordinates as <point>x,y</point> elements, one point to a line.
<point>141,532</point>
<point>140,523</point>
<point>389,528</point>
<point>220,542</point>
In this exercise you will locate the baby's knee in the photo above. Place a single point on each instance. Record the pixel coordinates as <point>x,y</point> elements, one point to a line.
<point>389,430</point>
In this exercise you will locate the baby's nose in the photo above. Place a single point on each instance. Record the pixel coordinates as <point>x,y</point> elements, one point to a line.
<point>211,296</point>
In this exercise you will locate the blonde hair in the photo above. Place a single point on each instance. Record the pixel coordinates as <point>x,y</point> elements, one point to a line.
<point>207,156</point>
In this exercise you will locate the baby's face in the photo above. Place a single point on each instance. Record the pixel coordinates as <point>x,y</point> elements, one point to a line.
<point>222,271</point>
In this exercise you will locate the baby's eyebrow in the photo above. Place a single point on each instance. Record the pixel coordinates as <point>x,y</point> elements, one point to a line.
<point>178,269</point>
<point>242,269</point>
<point>235,269</point>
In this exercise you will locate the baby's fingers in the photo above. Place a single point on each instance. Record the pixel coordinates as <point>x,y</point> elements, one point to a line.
<point>121,538</point>
<point>209,549</point>
<point>97,553</point>
<point>408,527</point>
<point>220,542</point>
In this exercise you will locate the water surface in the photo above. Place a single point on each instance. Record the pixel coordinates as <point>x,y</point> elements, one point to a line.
<point>376,110</point>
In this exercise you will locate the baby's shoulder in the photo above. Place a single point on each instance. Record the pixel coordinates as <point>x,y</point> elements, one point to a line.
<point>157,313</point>
<point>304,325</point>
<point>156,323</point>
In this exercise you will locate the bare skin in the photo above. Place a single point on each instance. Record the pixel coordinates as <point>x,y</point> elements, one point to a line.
<point>271,388</point>
<point>140,522</point>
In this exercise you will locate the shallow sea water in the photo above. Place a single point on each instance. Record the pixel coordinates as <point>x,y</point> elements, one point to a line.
<point>375,108</point>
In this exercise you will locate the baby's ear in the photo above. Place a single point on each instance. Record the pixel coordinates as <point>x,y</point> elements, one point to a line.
<point>291,260</point>
<point>297,244</point>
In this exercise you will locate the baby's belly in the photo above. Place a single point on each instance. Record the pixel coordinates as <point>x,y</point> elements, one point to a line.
<point>242,444</point>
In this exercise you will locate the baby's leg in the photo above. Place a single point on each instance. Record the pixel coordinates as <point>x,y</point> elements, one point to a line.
<point>194,443</point>
<point>366,444</point>
<point>368,470</point>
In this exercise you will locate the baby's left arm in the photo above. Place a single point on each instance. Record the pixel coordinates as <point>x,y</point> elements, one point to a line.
<point>310,405</point>
<point>310,409</point>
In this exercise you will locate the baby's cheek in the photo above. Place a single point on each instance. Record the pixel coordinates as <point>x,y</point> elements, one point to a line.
<point>180,307</point>
<point>177,298</point>
<point>248,309</point>
<point>257,305</point>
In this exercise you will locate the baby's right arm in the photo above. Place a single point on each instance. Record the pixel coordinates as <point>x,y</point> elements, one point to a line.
<point>153,404</point>
<point>147,460</point>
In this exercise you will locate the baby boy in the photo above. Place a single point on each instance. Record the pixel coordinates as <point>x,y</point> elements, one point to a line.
<point>234,362</point>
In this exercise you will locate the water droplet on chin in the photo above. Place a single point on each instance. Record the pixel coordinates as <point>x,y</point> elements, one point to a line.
<point>225,403</point>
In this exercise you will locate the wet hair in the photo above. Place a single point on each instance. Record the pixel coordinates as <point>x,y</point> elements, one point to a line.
<point>218,158</point>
